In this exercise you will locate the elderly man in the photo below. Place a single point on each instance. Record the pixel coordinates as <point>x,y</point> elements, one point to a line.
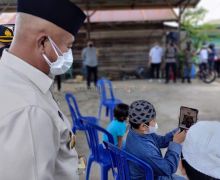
<point>35,137</point>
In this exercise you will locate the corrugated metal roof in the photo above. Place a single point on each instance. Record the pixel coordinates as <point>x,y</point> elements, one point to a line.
<point>133,15</point>
<point>114,16</point>
<point>7,18</point>
<point>132,4</point>
<point>10,5</point>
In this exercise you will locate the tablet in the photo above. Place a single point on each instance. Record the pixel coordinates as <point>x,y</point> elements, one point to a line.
<point>188,117</point>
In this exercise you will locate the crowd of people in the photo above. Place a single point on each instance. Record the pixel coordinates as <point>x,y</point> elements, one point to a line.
<point>168,62</point>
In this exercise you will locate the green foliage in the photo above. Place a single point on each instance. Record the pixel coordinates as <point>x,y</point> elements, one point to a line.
<point>191,23</point>
<point>193,17</point>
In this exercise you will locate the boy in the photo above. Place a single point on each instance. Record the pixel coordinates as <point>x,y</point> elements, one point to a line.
<point>117,127</point>
<point>143,142</point>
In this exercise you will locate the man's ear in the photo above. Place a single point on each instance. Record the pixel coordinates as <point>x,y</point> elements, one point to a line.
<point>41,39</point>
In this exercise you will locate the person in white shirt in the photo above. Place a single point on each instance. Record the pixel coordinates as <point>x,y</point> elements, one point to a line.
<point>90,61</point>
<point>36,139</point>
<point>156,55</point>
<point>203,57</point>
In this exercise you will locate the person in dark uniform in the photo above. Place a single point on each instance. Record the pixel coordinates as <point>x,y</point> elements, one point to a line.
<point>6,36</point>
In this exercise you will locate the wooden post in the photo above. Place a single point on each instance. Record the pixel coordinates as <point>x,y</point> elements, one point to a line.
<point>88,27</point>
<point>182,9</point>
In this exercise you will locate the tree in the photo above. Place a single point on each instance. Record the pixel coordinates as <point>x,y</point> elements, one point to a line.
<point>191,22</point>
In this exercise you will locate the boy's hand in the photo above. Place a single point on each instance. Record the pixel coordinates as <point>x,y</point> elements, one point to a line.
<point>179,137</point>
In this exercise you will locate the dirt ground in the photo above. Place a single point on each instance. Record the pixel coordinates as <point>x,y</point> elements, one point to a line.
<point>167,100</point>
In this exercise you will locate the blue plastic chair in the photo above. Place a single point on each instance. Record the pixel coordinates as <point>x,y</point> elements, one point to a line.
<point>98,153</point>
<point>120,163</point>
<point>105,86</point>
<point>75,113</point>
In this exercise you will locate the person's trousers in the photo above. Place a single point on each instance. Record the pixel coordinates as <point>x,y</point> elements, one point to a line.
<point>92,71</point>
<point>155,67</point>
<point>170,67</point>
<point>187,71</point>
<point>203,67</point>
<point>211,65</point>
<point>58,78</point>
<point>217,67</point>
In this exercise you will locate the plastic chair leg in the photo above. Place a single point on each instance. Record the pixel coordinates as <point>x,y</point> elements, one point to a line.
<point>107,112</point>
<point>104,173</point>
<point>111,113</point>
<point>74,129</point>
<point>100,111</point>
<point>88,168</point>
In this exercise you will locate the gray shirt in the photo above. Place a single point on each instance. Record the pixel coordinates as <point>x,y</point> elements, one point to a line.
<point>89,56</point>
<point>170,55</point>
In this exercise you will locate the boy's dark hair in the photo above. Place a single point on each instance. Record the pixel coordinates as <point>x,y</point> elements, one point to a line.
<point>193,173</point>
<point>121,112</point>
<point>136,126</point>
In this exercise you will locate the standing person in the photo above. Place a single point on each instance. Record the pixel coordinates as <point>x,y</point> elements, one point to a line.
<point>187,62</point>
<point>35,137</point>
<point>6,36</point>
<point>89,56</point>
<point>211,56</point>
<point>156,54</point>
<point>203,57</point>
<point>171,60</point>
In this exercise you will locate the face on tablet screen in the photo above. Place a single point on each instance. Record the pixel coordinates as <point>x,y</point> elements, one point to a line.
<point>188,117</point>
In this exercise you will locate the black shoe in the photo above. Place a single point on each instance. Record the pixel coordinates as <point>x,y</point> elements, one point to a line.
<point>183,80</point>
<point>189,81</point>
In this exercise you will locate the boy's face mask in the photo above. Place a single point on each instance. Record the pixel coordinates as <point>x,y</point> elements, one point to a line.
<point>152,129</point>
<point>63,62</point>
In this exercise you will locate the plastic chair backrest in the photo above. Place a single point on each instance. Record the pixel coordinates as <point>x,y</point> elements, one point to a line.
<point>92,131</point>
<point>105,87</point>
<point>74,109</point>
<point>121,160</point>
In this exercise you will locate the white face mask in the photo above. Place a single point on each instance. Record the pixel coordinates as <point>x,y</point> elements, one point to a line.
<point>152,129</point>
<point>63,62</point>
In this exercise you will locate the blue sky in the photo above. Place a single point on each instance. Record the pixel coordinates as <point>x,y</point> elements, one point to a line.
<point>213,7</point>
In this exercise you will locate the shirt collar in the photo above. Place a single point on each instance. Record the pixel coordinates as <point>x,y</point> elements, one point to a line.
<point>41,80</point>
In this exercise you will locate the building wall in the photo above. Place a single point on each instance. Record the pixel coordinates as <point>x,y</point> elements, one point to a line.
<point>121,49</point>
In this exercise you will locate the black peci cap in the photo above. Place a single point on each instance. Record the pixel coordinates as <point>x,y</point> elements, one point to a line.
<point>63,13</point>
<point>6,35</point>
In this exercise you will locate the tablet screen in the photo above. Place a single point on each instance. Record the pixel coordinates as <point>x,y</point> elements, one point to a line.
<point>188,117</point>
